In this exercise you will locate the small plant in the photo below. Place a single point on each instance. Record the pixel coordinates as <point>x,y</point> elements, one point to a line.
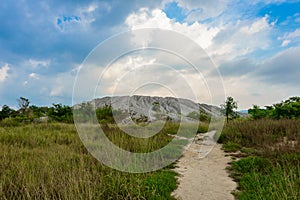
<point>248,151</point>
<point>231,147</point>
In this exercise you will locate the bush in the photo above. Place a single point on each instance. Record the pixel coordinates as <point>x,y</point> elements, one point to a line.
<point>61,113</point>
<point>202,128</point>
<point>10,122</point>
<point>105,114</point>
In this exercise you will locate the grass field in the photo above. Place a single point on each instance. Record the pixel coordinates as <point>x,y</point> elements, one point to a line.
<point>49,162</point>
<point>270,163</point>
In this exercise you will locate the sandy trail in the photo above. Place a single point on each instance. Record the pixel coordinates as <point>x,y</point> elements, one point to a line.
<point>204,178</point>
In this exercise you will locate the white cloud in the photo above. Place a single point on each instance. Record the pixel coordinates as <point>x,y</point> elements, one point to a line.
<point>56,91</point>
<point>287,38</point>
<point>256,27</point>
<point>61,85</point>
<point>223,42</point>
<point>200,33</point>
<point>251,90</point>
<point>4,72</point>
<point>270,1</point>
<point>145,18</point>
<point>34,76</point>
<point>33,63</point>
<point>285,43</point>
<point>282,69</point>
<point>90,8</point>
<point>86,14</point>
<point>146,71</point>
<point>123,66</point>
<point>275,79</point>
<point>240,39</point>
<point>156,79</point>
<point>292,35</point>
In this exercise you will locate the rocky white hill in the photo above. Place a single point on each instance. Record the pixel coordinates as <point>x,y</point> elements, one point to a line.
<point>156,108</point>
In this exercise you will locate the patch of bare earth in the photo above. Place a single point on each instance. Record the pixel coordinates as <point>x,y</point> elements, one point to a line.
<point>204,178</point>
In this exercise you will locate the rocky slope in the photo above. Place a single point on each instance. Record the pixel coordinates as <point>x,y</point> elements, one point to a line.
<point>156,108</point>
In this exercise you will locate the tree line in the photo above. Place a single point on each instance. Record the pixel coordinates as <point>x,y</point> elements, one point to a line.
<point>55,113</point>
<point>29,113</point>
<point>288,109</point>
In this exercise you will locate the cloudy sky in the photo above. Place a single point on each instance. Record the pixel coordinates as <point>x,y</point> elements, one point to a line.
<point>255,45</point>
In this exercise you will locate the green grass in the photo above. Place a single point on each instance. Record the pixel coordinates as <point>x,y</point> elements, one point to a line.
<point>48,161</point>
<point>272,168</point>
<point>231,147</point>
<point>260,179</point>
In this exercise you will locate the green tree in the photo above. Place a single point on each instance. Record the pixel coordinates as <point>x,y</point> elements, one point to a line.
<point>23,104</point>
<point>37,112</point>
<point>287,109</point>
<point>105,114</point>
<point>6,111</point>
<point>61,113</point>
<point>229,108</point>
<point>257,113</point>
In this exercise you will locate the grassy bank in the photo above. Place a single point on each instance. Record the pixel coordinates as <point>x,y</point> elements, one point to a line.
<point>48,161</point>
<point>269,152</point>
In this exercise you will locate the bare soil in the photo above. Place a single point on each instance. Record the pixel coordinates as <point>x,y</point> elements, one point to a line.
<point>204,178</point>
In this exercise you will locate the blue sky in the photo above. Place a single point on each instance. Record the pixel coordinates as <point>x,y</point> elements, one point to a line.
<point>254,44</point>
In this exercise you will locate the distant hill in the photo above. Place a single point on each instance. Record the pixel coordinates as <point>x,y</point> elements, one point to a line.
<point>156,108</point>
<point>243,111</point>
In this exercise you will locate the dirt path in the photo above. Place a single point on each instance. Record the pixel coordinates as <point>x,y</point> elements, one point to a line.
<point>204,178</point>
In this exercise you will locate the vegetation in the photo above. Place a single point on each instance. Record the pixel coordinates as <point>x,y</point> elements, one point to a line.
<point>60,113</point>
<point>269,152</point>
<point>48,161</point>
<point>289,109</point>
<point>105,114</point>
<point>271,167</point>
<point>5,112</point>
<point>30,113</point>
<point>229,108</point>
<point>156,106</point>
<point>201,115</point>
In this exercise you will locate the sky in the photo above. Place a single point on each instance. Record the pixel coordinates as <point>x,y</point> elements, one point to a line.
<point>254,45</point>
